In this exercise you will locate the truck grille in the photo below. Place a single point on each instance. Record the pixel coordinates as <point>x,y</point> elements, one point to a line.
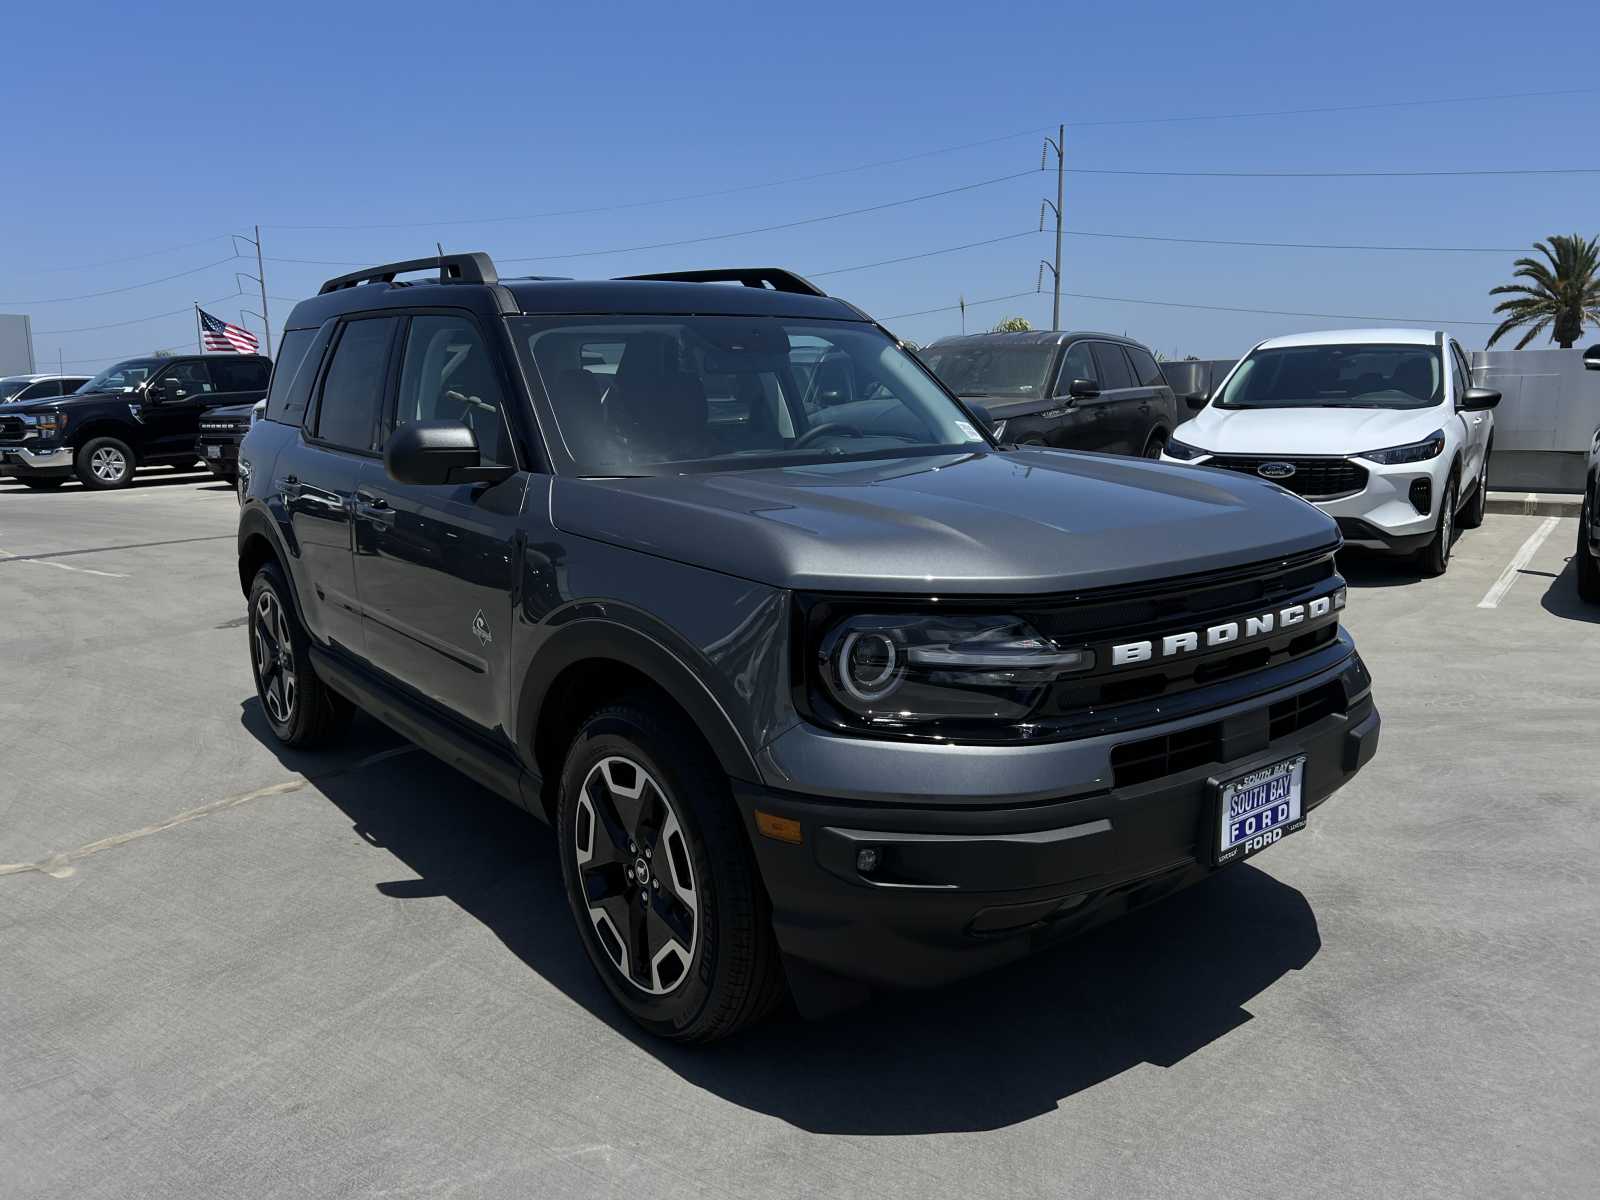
<point>1313,478</point>
<point>228,428</point>
<point>11,429</point>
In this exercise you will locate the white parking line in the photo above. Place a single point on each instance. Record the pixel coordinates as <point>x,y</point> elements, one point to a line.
<point>1492,598</point>
<point>46,562</point>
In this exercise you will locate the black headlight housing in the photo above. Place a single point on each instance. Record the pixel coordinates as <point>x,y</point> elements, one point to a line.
<point>1183,451</point>
<point>923,670</point>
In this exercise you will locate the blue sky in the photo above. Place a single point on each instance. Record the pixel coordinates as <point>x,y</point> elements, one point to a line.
<point>139,129</point>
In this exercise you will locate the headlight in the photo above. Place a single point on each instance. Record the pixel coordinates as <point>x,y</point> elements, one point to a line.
<point>1182,450</point>
<point>257,411</point>
<point>1430,447</point>
<point>48,424</point>
<point>910,671</point>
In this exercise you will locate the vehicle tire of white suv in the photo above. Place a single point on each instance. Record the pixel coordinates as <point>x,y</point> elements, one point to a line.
<point>1436,554</point>
<point>1471,516</point>
<point>1588,567</point>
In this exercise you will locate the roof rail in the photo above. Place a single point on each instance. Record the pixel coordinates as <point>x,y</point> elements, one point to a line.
<point>776,278</point>
<point>476,267</point>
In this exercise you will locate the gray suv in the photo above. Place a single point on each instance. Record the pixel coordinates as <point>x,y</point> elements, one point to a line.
<point>893,705</point>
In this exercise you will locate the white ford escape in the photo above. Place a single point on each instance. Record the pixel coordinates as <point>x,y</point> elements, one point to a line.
<point>1380,428</point>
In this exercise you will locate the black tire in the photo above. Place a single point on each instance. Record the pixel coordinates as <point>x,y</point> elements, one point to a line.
<point>1435,556</point>
<point>728,976</point>
<point>1156,444</point>
<point>1588,565</point>
<point>105,463</point>
<point>302,711</point>
<point>43,485</point>
<point>1472,515</point>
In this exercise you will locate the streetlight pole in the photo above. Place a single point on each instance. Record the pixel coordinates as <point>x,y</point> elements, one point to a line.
<point>1059,145</point>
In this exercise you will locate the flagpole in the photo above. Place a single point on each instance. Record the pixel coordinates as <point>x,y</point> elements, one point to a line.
<point>199,343</point>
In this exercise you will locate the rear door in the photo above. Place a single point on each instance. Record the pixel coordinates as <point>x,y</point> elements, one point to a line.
<point>1120,399</point>
<point>318,474</point>
<point>435,565</point>
<point>1157,407</point>
<point>239,380</point>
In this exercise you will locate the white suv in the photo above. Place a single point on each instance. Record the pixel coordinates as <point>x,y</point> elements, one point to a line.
<point>1380,428</point>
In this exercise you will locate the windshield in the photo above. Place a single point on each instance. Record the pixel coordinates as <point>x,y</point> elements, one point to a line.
<point>123,377</point>
<point>662,395</point>
<point>10,387</point>
<point>1358,376</point>
<point>992,370</point>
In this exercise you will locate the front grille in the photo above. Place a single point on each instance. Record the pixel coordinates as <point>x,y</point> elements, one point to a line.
<point>224,427</point>
<point>12,429</point>
<point>1313,478</point>
<point>1172,753</point>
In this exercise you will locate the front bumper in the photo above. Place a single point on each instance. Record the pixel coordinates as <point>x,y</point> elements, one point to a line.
<point>959,889</point>
<point>34,461</point>
<point>225,462</point>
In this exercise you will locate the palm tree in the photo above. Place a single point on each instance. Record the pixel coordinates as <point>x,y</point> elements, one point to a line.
<point>1566,292</point>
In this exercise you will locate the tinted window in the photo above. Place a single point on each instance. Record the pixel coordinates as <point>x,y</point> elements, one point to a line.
<point>1114,370</point>
<point>291,353</point>
<point>240,374</point>
<point>1463,371</point>
<point>1078,364</point>
<point>1367,375</point>
<point>1144,367</point>
<point>352,392</point>
<point>41,390</point>
<point>994,368</point>
<point>183,381</point>
<point>448,375</point>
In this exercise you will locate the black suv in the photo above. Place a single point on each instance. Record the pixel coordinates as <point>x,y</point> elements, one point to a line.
<point>1077,391</point>
<point>143,411</point>
<point>894,705</point>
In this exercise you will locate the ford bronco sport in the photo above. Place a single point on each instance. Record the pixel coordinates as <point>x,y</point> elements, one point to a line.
<point>892,705</point>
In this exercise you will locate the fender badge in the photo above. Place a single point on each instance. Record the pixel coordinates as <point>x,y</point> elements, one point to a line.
<point>480,629</point>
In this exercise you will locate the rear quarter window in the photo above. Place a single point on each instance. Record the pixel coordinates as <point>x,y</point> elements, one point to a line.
<point>290,388</point>
<point>1144,367</point>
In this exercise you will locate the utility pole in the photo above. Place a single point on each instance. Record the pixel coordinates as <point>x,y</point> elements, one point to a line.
<point>261,278</point>
<point>1059,145</point>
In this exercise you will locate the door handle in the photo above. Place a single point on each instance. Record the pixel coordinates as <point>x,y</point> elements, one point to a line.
<point>291,487</point>
<point>373,508</point>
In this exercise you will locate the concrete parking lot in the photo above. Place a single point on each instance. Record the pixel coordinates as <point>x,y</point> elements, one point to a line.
<point>227,970</point>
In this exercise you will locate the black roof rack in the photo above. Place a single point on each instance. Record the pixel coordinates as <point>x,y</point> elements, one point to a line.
<point>476,267</point>
<point>776,278</point>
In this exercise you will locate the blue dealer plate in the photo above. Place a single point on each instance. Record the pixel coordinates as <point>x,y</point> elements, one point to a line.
<point>1257,810</point>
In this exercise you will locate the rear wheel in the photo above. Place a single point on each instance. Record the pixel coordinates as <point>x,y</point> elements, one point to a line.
<point>301,709</point>
<point>1436,555</point>
<point>660,876</point>
<point>104,463</point>
<point>43,485</point>
<point>1588,565</point>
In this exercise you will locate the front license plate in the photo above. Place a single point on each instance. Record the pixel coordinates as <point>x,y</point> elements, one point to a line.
<point>1255,811</point>
<point>213,451</point>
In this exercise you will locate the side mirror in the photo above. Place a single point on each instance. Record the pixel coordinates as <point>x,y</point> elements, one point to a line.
<point>438,452</point>
<point>1476,399</point>
<point>1591,358</point>
<point>1083,389</point>
<point>1195,400</point>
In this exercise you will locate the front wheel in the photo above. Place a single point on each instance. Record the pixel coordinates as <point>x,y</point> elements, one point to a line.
<point>1588,565</point>
<point>1435,555</point>
<point>660,877</point>
<point>1156,444</point>
<point>104,463</point>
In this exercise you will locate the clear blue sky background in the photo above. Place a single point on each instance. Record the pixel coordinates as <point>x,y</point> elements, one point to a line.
<point>136,129</point>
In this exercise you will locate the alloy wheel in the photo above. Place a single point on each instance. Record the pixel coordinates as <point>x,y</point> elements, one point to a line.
<point>108,464</point>
<point>636,875</point>
<point>274,658</point>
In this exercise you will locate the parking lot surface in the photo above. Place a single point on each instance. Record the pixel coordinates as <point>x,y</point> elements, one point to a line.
<point>231,970</point>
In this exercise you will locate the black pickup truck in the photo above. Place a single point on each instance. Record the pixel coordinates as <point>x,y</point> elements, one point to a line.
<point>141,412</point>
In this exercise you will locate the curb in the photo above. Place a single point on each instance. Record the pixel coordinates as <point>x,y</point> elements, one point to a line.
<point>1534,504</point>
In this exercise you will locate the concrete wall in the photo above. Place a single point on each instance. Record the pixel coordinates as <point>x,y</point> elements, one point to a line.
<point>1546,420</point>
<point>16,345</point>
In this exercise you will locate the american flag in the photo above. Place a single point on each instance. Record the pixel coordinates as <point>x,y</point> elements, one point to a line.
<point>217,334</point>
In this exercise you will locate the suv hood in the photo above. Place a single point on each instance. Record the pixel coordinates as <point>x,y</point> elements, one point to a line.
<point>1025,521</point>
<point>1308,430</point>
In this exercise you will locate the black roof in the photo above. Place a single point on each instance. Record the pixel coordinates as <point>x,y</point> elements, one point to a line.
<point>470,281</point>
<point>1032,337</point>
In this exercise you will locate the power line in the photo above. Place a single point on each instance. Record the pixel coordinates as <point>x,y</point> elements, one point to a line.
<point>106,262</point>
<point>1335,108</point>
<point>177,312</point>
<point>1431,322</point>
<point>1336,174</point>
<point>130,288</point>
<point>953,307</point>
<point>1150,237</point>
<point>1006,237</point>
<point>119,357</point>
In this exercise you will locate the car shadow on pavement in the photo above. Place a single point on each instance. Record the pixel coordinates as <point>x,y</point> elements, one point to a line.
<point>1561,598</point>
<point>1373,569</point>
<point>1151,988</point>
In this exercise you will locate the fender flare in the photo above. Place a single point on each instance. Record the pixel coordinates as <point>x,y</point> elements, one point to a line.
<point>257,521</point>
<point>666,667</point>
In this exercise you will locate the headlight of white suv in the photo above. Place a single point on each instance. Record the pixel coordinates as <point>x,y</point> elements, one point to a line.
<point>1429,447</point>
<point>1182,450</point>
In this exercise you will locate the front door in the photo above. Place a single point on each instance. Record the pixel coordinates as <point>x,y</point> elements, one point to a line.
<point>173,402</point>
<point>1477,423</point>
<point>436,564</point>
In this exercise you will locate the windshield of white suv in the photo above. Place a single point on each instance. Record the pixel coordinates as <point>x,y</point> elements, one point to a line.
<point>652,395</point>
<point>999,370</point>
<point>1355,376</point>
<point>123,377</point>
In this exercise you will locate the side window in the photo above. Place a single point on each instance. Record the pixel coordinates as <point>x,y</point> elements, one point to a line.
<point>239,374</point>
<point>449,375</point>
<point>1144,366</point>
<point>184,381</point>
<point>352,391</point>
<point>1078,364</point>
<point>39,391</point>
<point>1463,371</point>
<point>291,353</point>
<point>1114,370</point>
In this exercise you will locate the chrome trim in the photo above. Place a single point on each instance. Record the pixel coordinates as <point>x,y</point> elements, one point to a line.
<point>39,460</point>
